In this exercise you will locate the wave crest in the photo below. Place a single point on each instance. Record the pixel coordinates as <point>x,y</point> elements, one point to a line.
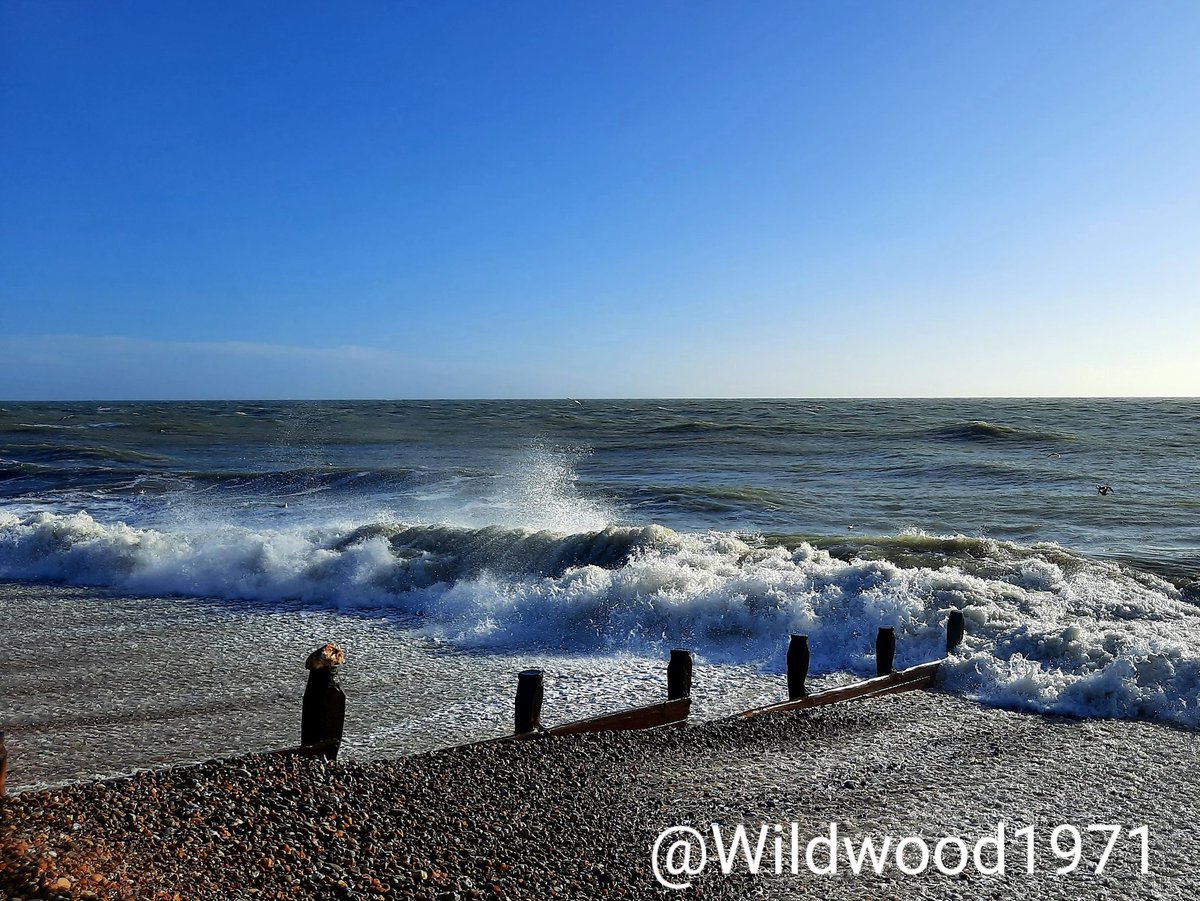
<point>981,430</point>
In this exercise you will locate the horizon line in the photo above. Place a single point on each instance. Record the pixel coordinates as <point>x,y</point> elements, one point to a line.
<point>550,399</point>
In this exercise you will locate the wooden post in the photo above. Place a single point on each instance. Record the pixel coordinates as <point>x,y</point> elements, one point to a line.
<point>323,716</point>
<point>529,701</point>
<point>679,674</point>
<point>797,666</point>
<point>956,627</point>
<point>885,651</point>
<point>3,765</point>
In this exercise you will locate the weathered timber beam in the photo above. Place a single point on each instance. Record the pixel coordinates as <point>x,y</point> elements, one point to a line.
<point>910,679</point>
<point>648,717</point>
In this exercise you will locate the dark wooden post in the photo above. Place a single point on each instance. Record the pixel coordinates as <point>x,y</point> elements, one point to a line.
<point>797,666</point>
<point>529,701</point>
<point>956,627</point>
<point>885,651</point>
<point>3,764</point>
<point>679,674</point>
<point>323,716</point>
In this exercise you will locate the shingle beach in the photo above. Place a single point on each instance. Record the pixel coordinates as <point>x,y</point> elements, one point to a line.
<point>576,817</point>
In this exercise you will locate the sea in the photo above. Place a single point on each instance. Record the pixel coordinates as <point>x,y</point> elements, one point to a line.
<point>168,566</point>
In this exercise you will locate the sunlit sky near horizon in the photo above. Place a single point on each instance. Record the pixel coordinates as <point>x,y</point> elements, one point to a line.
<point>390,199</point>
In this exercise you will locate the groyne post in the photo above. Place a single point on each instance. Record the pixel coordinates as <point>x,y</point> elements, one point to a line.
<point>885,651</point>
<point>3,765</point>
<point>323,716</point>
<point>528,716</point>
<point>797,666</point>
<point>679,674</point>
<point>956,627</point>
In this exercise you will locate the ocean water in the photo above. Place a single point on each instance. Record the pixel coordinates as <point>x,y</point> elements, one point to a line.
<point>615,530</point>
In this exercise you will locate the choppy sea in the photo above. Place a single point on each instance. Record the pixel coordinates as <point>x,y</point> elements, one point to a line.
<point>504,532</point>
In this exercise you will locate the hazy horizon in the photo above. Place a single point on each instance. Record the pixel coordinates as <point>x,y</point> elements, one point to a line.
<point>593,399</point>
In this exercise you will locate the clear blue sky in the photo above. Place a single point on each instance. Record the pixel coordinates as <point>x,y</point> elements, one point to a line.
<point>391,199</point>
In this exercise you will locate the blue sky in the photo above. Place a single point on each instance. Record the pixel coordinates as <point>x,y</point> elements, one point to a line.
<point>385,199</point>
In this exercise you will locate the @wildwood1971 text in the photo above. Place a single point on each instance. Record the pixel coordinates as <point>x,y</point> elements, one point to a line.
<point>682,853</point>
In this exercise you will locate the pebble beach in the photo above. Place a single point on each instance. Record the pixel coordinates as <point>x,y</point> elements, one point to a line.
<point>575,817</point>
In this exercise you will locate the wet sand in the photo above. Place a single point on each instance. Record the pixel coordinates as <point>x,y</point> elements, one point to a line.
<point>95,683</point>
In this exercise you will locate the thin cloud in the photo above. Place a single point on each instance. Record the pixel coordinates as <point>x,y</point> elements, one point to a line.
<point>112,366</point>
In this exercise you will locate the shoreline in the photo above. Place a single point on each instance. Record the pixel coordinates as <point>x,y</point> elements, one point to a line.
<point>98,683</point>
<point>575,817</point>
<point>565,817</point>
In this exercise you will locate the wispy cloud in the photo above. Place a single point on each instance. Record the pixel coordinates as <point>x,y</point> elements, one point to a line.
<point>83,366</point>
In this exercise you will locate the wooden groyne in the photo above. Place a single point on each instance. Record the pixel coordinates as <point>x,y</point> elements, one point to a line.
<point>673,712</point>
<point>323,711</point>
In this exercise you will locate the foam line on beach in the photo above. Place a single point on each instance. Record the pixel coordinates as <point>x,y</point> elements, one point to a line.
<point>1048,630</point>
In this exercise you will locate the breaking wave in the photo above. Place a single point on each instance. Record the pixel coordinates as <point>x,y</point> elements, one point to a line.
<point>1048,630</point>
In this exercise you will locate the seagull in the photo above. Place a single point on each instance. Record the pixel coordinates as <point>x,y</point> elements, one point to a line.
<point>1104,490</point>
<point>1054,454</point>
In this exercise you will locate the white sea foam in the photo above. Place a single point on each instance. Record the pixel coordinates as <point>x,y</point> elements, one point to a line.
<point>1046,630</point>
